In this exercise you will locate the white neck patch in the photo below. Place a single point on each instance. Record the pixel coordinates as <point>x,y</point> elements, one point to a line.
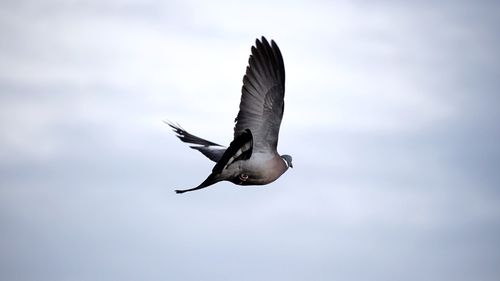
<point>286,162</point>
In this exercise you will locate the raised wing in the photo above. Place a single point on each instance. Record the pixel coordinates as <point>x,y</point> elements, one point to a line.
<point>239,149</point>
<point>262,104</point>
<point>210,149</point>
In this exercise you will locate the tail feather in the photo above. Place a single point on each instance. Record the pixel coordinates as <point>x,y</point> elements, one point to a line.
<point>211,150</point>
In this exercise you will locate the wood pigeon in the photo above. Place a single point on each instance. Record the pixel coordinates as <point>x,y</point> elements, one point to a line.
<point>251,158</point>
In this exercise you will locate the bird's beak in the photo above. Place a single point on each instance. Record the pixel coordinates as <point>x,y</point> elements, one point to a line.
<point>291,165</point>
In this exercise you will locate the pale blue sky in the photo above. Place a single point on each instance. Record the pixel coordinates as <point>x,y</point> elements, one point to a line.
<point>391,117</point>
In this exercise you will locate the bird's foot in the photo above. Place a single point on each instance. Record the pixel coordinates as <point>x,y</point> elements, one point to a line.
<point>243,177</point>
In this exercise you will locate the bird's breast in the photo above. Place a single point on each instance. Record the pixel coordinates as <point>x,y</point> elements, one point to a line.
<point>261,169</point>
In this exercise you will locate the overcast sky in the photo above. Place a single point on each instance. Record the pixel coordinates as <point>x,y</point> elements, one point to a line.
<point>392,118</point>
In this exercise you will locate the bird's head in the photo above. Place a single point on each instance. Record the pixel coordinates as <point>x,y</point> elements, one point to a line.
<point>288,160</point>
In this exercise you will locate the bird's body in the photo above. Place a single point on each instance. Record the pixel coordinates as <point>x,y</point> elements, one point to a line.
<point>260,169</point>
<point>252,157</point>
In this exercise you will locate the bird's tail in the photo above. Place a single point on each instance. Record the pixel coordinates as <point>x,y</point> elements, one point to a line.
<point>211,179</point>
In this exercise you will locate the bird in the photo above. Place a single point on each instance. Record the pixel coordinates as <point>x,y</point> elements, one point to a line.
<point>252,157</point>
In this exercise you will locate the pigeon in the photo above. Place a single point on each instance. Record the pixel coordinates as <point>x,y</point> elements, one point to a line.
<point>252,157</point>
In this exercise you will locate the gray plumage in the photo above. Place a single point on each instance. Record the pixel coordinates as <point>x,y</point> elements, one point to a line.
<point>210,149</point>
<point>262,104</point>
<point>252,157</point>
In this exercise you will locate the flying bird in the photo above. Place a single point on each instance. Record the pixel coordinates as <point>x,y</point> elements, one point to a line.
<point>252,157</point>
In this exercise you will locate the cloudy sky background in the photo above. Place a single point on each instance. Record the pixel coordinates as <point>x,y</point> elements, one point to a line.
<point>392,112</point>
